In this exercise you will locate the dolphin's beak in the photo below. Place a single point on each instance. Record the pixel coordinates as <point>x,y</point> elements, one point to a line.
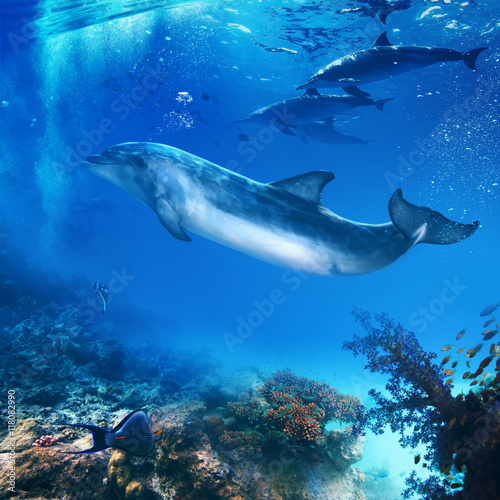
<point>99,165</point>
<point>94,162</point>
<point>99,160</point>
<point>243,120</point>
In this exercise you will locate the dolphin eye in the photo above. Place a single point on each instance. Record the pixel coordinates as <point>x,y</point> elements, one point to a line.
<point>138,162</point>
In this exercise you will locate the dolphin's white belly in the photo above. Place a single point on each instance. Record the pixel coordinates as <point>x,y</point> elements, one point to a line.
<point>273,245</point>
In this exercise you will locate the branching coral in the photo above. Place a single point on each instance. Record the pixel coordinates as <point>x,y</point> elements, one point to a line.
<point>246,408</point>
<point>461,431</point>
<point>301,407</point>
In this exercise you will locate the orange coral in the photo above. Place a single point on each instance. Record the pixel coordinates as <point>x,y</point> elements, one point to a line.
<point>300,407</point>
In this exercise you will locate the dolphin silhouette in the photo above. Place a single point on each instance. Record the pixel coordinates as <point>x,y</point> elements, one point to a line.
<point>309,107</point>
<point>383,60</point>
<point>283,222</point>
<point>324,131</point>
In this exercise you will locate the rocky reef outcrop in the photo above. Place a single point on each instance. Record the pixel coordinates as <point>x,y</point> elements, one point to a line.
<point>192,461</point>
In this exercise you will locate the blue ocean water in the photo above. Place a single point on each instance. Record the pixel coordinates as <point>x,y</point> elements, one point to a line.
<point>78,79</point>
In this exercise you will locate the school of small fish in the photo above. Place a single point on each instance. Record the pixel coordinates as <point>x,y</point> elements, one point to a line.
<point>493,352</point>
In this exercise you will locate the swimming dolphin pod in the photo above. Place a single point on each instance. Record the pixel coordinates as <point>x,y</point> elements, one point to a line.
<point>383,60</point>
<point>282,222</point>
<point>308,108</point>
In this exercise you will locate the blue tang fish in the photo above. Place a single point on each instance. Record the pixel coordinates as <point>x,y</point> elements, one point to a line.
<point>133,434</point>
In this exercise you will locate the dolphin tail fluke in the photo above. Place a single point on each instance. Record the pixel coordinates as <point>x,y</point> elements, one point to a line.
<point>379,103</point>
<point>471,56</point>
<point>423,225</point>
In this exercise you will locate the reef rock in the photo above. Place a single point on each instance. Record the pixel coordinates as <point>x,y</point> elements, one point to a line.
<point>44,474</point>
<point>193,461</point>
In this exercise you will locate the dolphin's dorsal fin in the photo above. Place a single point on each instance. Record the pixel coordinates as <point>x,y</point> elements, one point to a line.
<point>306,186</point>
<point>311,92</point>
<point>382,40</point>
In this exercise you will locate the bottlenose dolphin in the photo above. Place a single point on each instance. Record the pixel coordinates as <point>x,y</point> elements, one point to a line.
<point>382,60</point>
<point>311,106</point>
<point>282,222</point>
<point>325,132</point>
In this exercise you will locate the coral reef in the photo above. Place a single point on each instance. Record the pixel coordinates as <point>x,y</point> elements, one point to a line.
<point>47,440</point>
<point>44,474</point>
<point>57,361</point>
<point>63,369</point>
<point>461,433</point>
<point>246,409</point>
<point>190,462</point>
<point>236,439</point>
<point>300,407</point>
<point>120,476</point>
<point>215,426</point>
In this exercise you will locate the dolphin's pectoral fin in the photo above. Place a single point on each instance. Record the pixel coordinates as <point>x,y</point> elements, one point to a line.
<point>284,127</point>
<point>286,130</point>
<point>303,137</point>
<point>382,40</point>
<point>311,91</point>
<point>170,219</point>
<point>423,225</point>
<point>306,186</point>
<point>355,91</point>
